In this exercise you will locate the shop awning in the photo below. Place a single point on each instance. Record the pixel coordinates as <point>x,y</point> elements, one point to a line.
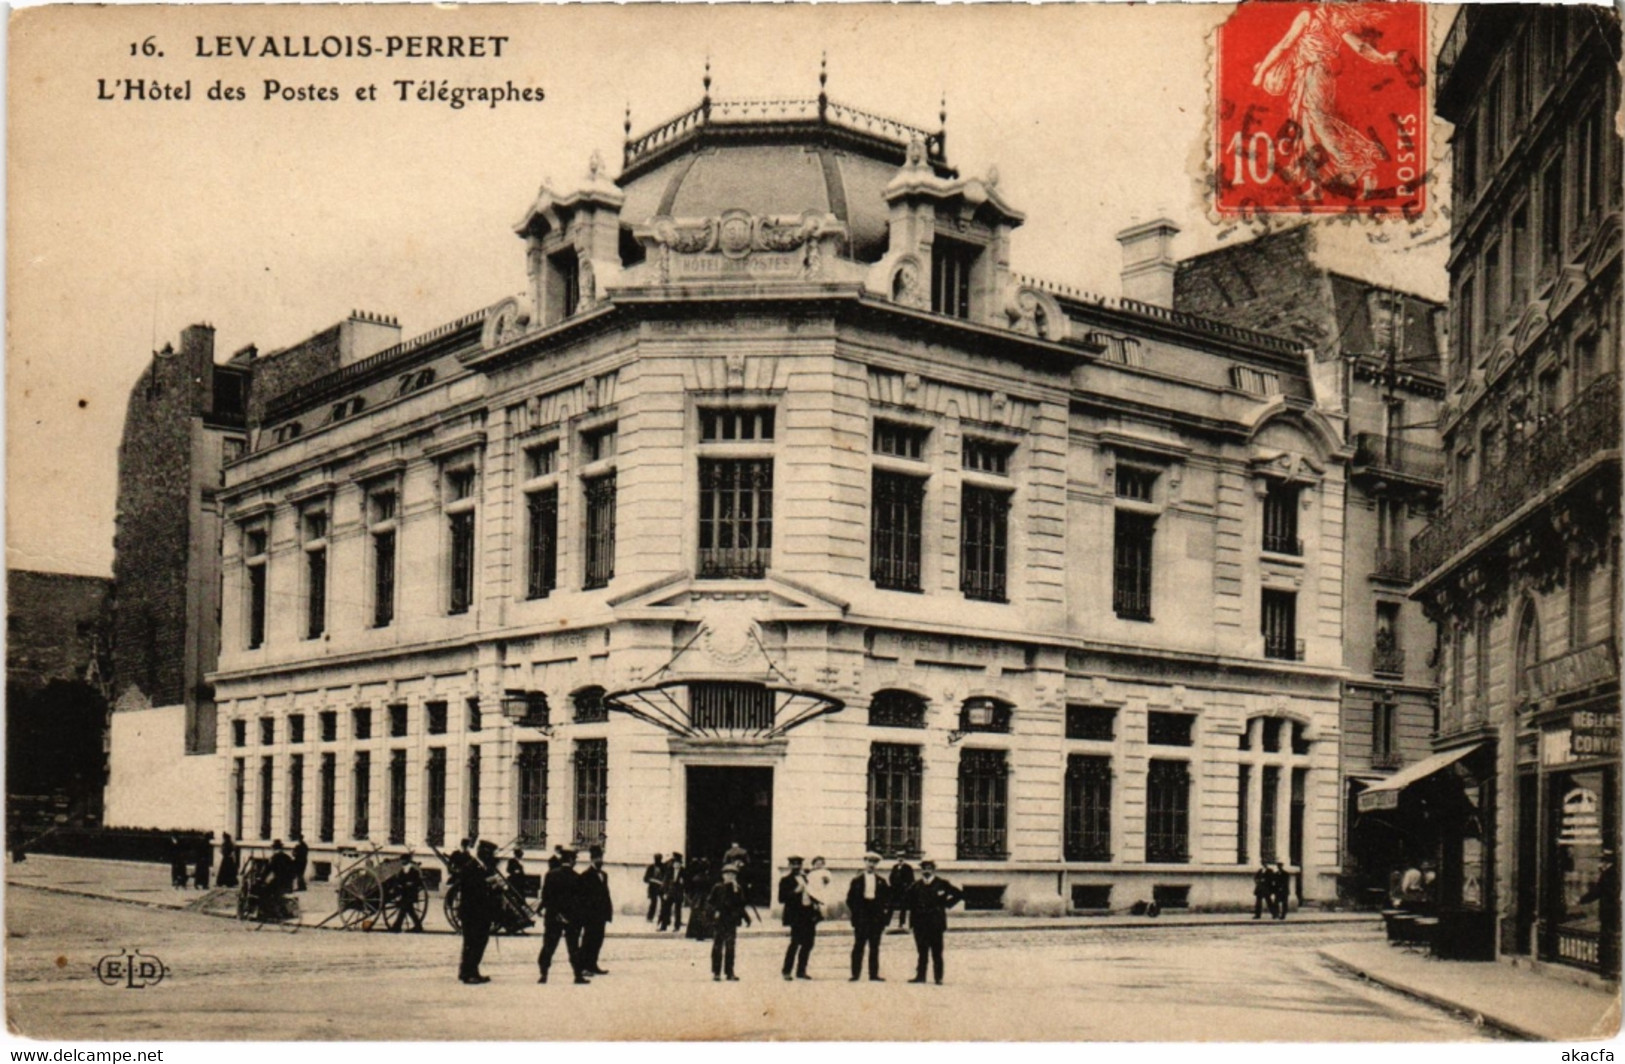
<point>1385,795</point>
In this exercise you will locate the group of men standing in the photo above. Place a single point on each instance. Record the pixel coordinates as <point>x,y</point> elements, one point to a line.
<point>576,907</point>
<point>1272,888</point>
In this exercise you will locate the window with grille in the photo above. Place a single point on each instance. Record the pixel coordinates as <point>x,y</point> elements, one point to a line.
<point>895,772</point>
<point>1269,792</point>
<point>434,718</point>
<point>462,562</point>
<point>267,731</point>
<point>1131,565</point>
<point>986,456</point>
<point>1167,812</point>
<point>330,725</point>
<point>460,483</point>
<point>951,266</point>
<point>984,715</point>
<point>600,552</point>
<point>1280,623</point>
<point>1088,808</point>
<point>736,517</point>
<point>1090,722</point>
<point>1170,729</point>
<point>1136,483</point>
<point>397,796</point>
<point>296,796</point>
<point>267,777</point>
<point>1281,519</point>
<point>327,798</point>
<point>896,709</point>
<point>383,578</point>
<point>589,704</point>
<point>900,441</point>
<point>532,785</point>
<point>592,791</point>
<point>471,795</point>
<point>984,542</point>
<point>983,796</point>
<point>542,571</point>
<point>239,784</point>
<point>361,723</point>
<point>897,512</point>
<point>736,425</point>
<point>543,459</point>
<point>296,728</point>
<point>730,707</point>
<point>1244,789</point>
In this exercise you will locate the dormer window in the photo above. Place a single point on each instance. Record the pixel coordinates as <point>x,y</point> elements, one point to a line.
<point>951,264</point>
<point>564,269</point>
<point>347,408</point>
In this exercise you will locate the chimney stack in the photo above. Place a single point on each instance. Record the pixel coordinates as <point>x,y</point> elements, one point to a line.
<point>1148,262</point>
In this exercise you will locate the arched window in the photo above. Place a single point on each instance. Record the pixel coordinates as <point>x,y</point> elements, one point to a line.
<point>1526,650</point>
<point>984,715</point>
<point>897,709</point>
<point>589,705</point>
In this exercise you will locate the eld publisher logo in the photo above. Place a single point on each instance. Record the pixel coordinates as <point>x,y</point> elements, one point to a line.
<point>131,969</point>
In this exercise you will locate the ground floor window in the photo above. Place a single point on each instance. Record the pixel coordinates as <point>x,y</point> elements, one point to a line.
<point>471,807</point>
<point>361,795</point>
<point>533,794</point>
<point>895,771</point>
<point>239,771</point>
<point>397,796</point>
<point>1167,811</point>
<point>327,797</point>
<point>591,791</point>
<point>267,776</point>
<point>983,805</point>
<point>435,780</point>
<point>296,796</point>
<point>1582,888</point>
<point>1088,808</point>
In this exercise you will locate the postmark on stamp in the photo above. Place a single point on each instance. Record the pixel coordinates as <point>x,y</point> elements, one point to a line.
<point>1321,108</point>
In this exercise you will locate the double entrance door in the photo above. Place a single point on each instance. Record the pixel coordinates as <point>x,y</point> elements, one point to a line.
<point>729,805</point>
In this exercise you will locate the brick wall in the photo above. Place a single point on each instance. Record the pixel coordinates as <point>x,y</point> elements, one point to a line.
<point>1269,284</point>
<point>284,370</point>
<point>55,624</point>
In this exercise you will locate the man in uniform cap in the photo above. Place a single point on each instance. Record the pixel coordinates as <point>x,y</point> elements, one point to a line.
<point>929,899</point>
<point>801,917</point>
<point>726,906</point>
<point>561,898</point>
<point>868,904</point>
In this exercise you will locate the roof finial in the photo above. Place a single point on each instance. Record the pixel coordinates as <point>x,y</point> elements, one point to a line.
<point>823,80</point>
<point>627,125</point>
<point>942,115</point>
<point>708,76</point>
<point>705,101</point>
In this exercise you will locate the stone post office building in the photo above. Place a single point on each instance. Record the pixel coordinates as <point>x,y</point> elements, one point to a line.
<point>780,510</point>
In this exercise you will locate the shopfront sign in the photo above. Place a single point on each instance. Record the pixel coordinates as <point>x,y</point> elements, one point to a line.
<point>1579,948</point>
<point>1582,818</point>
<point>1594,733</point>
<point>1574,671</point>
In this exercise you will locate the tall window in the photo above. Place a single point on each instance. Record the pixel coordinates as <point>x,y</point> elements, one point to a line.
<point>533,794</point>
<point>1280,625</point>
<point>542,575</point>
<point>736,517</point>
<point>1384,736</point>
<point>327,797</point>
<point>1518,256</point>
<point>1494,297</point>
<point>1551,213</point>
<point>256,558</point>
<point>895,772</point>
<point>361,795</point>
<point>459,507</point>
<point>1131,565</point>
<point>896,514</point>
<point>984,542</point>
<point>267,778</point>
<point>1281,519</point>
<point>565,267</point>
<point>1579,604</point>
<point>315,545</point>
<point>1387,655</point>
<point>1088,808</point>
<point>592,790</point>
<point>1525,649</point>
<point>471,795</point>
<point>1244,796</point>
<point>239,785</point>
<point>434,779</point>
<point>1268,798</point>
<point>600,498</point>
<point>1481,666</point>
<point>1167,812</point>
<point>381,525</point>
<point>983,805</point>
<point>296,796</point>
<point>951,266</point>
<point>1467,321</point>
<point>397,796</point>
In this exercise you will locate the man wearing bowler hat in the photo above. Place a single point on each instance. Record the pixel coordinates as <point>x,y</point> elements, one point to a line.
<point>929,899</point>
<point>868,901</point>
<point>561,898</point>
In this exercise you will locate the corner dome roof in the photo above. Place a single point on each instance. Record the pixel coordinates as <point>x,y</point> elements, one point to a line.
<point>784,157</point>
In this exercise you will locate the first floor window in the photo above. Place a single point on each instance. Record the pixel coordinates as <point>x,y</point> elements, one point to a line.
<point>1131,565</point>
<point>435,779</point>
<point>543,574</point>
<point>895,772</point>
<point>1088,808</point>
<point>600,498</point>
<point>397,796</point>
<point>592,791</point>
<point>983,810</point>
<point>267,777</point>
<point>1167,811</point>
<point>383,578</point>
<point>1244,794</point>
<point>895,516</point>
<point>1268,797</point>
<point>471,808</point>
<point>1279,621</point>
<point>984,542</point>
<point>533,794</point>
<point>361,795</point>
<point>239,772</point>
<point>296,796</point>
<point>328,797</point>
<point>736,517</point>
<point>1281,519</point>
<point>462,562</point>
<point>316,592</point>
<point>256,606</point>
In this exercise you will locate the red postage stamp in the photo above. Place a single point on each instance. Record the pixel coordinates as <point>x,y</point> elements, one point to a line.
<point>1321,108</point>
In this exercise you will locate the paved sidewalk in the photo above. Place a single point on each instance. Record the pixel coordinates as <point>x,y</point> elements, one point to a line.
<point>143,883</point>
<point>1519,1001</point>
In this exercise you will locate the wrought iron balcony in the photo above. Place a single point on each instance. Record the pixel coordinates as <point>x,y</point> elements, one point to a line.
<point>1378,454</point>
<point>1392,563</point>
<point>1280,543</point>
<point>1283,648</point>
<point>1388,660</point>
<point>734,563</point>
<point>1559,444</point>
<point>1385,759</point>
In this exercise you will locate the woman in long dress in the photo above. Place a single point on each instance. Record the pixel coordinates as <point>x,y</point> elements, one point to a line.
<point>228,862</point>
<point>1304,66</point>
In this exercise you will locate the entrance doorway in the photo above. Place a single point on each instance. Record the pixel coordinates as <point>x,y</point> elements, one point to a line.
<point>728,805</point>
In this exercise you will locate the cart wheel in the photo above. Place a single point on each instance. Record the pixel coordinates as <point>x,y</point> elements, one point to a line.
<point>361,900</point>
<point>449,907</point>
<point>398,912</point>
<point>245,903</point>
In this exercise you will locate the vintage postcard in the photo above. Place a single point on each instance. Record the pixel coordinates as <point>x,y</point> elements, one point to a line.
<point>856,523</point>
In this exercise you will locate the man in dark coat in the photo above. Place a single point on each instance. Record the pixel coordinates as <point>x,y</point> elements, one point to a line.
<point>597,910</point>
<point>725,906</point>
<point>902,878</point>
<point>476,905</point>
<point>1282,892</point>
<point>561,898</point>
<point>868,902</point>
<point>203,861</point>
<point>228,862</point>
<point>1263,891</point>
<point>671,894</point>
<point>301,861</point>
<point>406,888</point>
<point>177,863</point>
<point>801,916</point>
<point>654,878</point>
<point>929,899</point>
<point>279,872</point>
